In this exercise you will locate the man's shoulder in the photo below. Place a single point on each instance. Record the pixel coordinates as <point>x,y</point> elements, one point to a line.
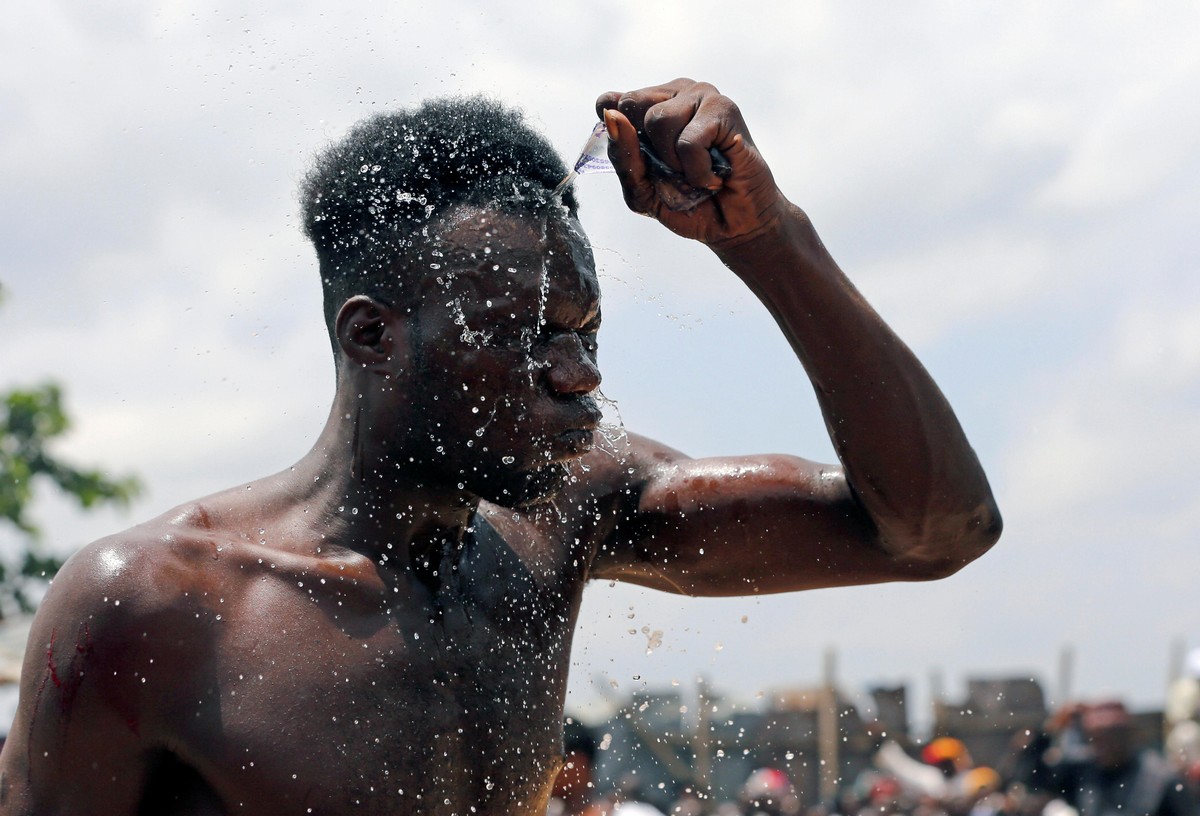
<point>154,567</point>
<point>120,609</point>
<point>603,490</point>
<point>620,464</point>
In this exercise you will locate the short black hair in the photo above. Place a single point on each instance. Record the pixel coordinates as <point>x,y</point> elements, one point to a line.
<point>369,200</point>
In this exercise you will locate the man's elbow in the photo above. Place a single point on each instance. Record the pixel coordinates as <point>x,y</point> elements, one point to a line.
<point>948,546</point>
<point>987,525</point>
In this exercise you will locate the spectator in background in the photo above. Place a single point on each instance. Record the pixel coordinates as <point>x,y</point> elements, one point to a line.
<point>1183,752</point>
<point>637,809</point>
<point>948,755</point>
<point>1183,697</point>
<point>769,792</point>
<point>574,789</point>
<point>1110,777</point>
<point>887,796</point>
<point>980,793</point>
<point>631,798</point>
<point>628,799</point>
<point>1182,715</point>
<point>688,803</point>
<point>938,776</point>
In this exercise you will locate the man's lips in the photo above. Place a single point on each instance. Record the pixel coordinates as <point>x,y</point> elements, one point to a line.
<point>581,420</point>
<point>580,435</point>
<point>569,431</point>
<point>575,442</point>
<point>589,412</point>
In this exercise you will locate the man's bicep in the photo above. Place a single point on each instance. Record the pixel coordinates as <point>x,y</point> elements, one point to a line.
<point>740,526</point>
<point>76,743</point>
<point>69,756</point>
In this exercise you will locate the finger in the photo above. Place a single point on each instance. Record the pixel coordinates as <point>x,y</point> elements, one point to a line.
<point>606,101</point>
<point>724,117</point>
<point>690,111</point>
<point>663,123</point>
<point>634,104</point>
<point>716,123</point>
<point>695,161</point>
<point>627,161</point>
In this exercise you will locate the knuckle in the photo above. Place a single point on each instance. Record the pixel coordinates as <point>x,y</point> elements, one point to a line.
<point>728,107</point>
<point>606,100</point>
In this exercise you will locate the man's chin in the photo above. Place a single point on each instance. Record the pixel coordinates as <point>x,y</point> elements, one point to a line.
<point>530,489</point>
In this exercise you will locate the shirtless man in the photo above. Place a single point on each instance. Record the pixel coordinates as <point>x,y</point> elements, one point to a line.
<point>385,627</point>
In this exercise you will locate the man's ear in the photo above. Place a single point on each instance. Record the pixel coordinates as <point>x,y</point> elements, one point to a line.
<point>371,334</point>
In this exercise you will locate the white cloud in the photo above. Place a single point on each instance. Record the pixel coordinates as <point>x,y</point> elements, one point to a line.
<point>1124,418</point>
<point>1134,142</point>
<point>959,281</point>
<point>1158,346</point>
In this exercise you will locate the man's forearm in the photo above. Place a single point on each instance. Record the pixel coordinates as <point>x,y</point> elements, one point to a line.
<point>902,448</point>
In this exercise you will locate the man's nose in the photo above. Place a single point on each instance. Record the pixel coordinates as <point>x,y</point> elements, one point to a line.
<point>571,368</point>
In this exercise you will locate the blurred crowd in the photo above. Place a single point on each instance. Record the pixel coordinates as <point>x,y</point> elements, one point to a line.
<point>1087,760</point>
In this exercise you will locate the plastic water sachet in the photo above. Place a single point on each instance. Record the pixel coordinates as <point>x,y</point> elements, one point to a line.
<point>674,190</point>
<point>592,159</point>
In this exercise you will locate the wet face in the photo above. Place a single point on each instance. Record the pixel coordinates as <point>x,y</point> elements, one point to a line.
<point>504,355</point>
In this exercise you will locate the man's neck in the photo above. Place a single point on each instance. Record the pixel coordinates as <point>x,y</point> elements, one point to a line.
<point>370,501</point>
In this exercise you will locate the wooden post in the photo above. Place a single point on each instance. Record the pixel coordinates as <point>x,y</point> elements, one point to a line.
<point>702,740</point>
<point>1175,660</point>
<point>1066,670</point>
<point>935,701</point>
<point>829,730</point>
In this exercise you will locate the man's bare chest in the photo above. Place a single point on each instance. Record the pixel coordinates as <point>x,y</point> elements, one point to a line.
<point>452,696</point>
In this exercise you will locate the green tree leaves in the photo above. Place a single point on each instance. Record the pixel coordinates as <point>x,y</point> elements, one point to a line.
<point>29,420</point>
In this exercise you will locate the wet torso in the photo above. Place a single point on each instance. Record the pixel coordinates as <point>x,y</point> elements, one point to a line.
<point>419,700</point>
<point>332,684</point>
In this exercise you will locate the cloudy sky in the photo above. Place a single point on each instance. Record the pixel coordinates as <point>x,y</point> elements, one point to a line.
<point>1015,185</point>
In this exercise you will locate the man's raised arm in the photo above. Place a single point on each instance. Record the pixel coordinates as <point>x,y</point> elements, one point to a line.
<point>910,501</point>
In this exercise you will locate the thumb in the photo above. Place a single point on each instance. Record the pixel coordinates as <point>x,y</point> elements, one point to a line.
<point>624,151</point>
